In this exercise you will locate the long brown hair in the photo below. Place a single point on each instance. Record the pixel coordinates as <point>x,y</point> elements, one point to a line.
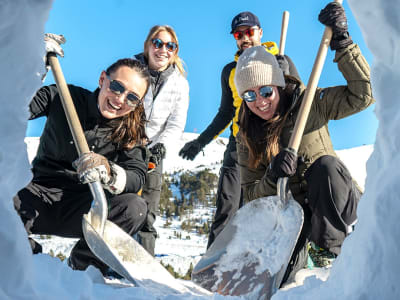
<point>129,130</point>
<point>261,136</point>
<point>177,61</point>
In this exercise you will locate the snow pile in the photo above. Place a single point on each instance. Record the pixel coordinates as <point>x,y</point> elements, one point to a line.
<point>368,267</point>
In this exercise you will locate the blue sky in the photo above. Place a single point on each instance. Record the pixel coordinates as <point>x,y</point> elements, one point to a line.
<point>98,32</point>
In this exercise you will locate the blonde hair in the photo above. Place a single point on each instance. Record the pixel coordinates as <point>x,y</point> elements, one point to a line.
<point>177,61</point>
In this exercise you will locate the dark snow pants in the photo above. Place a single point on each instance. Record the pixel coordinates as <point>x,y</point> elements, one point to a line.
<point>229,193</point>
<point>56,208</point>
<point>151,193</point>
<point>331,207</point>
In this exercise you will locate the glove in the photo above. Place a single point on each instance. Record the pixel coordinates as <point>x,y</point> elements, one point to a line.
<point>283,64</point>
<point>52,44</point>
<point>284,164</point>
<point>191,149</point>
<point>93,167</point>
<point>333,15</point>
<point>158,152</point>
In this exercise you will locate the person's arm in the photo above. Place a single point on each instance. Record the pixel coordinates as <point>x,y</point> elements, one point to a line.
<point>226,110</point>
<point>40,103</point>
<point>221,120</point>
<point>125,174</point>
<point>134,163</point>
<point>338,102</point>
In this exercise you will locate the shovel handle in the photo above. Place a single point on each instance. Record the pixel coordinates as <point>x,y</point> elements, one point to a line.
<point>285,23</point>
<point>295,139</point>
<point>99,205</point>
<point>68,105</point>
<point>309,94</point>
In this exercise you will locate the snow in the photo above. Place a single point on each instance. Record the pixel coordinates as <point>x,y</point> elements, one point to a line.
<point>366,269</point>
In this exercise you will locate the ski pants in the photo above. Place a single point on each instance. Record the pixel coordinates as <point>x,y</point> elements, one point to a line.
<point>330,208</point>
<point>151,193</point>
<point>229,193</point>
<point>56,208</point>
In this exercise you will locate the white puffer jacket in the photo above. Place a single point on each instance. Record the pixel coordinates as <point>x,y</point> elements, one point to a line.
<point>167,113</point>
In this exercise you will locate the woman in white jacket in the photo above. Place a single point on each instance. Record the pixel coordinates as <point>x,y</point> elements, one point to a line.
<point>166,104</point>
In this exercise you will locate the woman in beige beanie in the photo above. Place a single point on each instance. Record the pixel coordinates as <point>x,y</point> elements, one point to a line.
<point>318,180</point>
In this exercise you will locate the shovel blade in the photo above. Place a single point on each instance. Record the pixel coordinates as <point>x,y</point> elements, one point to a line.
<point>127,257</point>
<point>249,257</point>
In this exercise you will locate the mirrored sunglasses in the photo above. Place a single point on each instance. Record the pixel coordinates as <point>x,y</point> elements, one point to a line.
<point>118,88</point>
<point>238,35</point>
<point>158,44</point>
<point>251,96</point>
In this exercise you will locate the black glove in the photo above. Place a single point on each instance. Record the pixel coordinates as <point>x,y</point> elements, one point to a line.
<point>284,164</point>
<point>191,149</point>
<point>333,15</point>
<point>283,64</point>
<point>158,152</point>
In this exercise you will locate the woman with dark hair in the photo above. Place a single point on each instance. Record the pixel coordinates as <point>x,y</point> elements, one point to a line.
<point>113,121</point>
<point>166,104</point>
<point>319,181</point>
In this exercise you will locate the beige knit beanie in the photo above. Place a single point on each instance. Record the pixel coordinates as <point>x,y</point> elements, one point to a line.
<point>257,67</point>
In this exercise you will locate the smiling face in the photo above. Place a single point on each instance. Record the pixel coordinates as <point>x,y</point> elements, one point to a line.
<point>160,59</point>
<point>113,106</point>
<point>263,107</point>
<point>246,41</point>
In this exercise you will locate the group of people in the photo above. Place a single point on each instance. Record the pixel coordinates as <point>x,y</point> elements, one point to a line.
<point>140,108</point>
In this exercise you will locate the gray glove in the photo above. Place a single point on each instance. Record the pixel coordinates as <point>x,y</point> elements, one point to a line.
<point>52,44</point>
<point>93,167</point>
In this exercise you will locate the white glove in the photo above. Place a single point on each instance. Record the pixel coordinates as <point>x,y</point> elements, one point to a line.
<point>52,44</point>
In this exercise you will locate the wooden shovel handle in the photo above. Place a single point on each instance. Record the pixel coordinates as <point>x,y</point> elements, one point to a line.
<point>305,107</point>
<point>68,105</point>
<point>285,22</point>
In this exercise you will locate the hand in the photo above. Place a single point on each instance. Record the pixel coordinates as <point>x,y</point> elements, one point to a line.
<point>283,64</point>
<point>333,15</point>
<point>191,149</point>
<point>53,43</point>
<point>93,167</point>
<point>158,152</point>
<point>284,164</point>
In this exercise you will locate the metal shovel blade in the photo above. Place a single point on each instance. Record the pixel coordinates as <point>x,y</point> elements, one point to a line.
<point>249,257</point>
<point>128,258</point>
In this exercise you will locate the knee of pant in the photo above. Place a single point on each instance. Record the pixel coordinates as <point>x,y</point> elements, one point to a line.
<point>136,208</point>
<point>325,165</point>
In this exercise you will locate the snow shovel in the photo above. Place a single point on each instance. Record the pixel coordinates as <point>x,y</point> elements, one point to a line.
<point>107,241</point>
<point>250,256</point>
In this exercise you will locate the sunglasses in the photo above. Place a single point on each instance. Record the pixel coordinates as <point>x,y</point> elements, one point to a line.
<point>158,44</point>
<point>118,88</point>
<point>251,96</point>
<point>238,35</point>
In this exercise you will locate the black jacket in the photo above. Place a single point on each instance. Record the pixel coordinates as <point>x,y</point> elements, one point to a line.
<point>57,151</point>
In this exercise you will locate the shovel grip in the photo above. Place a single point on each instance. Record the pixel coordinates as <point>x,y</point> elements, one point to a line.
<point>68,105</point>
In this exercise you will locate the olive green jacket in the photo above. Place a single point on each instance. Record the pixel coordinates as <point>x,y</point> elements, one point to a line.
<point>332,103</point>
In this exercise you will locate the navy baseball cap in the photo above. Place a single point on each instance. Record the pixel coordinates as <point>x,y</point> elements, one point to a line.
<point>245,18</point>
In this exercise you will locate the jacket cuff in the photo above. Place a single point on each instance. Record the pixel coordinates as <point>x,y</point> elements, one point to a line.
<point>117,183</point>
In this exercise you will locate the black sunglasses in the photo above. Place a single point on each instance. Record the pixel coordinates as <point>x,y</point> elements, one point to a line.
<point>171,46</point>
<point>118,88</point>
<point>251,96</point>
